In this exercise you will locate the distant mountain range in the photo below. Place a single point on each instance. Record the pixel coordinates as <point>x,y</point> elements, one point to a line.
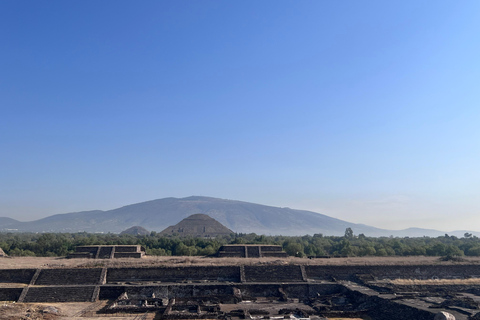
<point>239,216</point>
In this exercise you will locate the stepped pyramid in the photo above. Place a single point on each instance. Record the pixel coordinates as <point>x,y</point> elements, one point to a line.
<point>197,225</point>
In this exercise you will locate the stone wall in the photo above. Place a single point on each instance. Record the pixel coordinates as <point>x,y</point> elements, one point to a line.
<point>69,276</point>
<point>274,254</point>
<point>60,294</point>
<point>233,248</point>
<point>251,251</point>
<point>107,252</point>
<point>273,273</point>
<point>16,275</point>
<point>127,255</point>
<point>90,249</point>
<point>179,274</point>
<point>128,249</point>
<point>393,271</point>
<point>10,294</point>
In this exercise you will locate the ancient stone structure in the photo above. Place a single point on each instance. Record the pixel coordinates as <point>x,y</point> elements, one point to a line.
<point>2,253</point>
<point>260,291</point>
<point>197,225</point>
<point>136,231</point>
<point>108,252</point>
<point>251,251</point>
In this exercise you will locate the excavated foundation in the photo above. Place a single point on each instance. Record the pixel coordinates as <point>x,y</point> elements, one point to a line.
<point>254,291</point>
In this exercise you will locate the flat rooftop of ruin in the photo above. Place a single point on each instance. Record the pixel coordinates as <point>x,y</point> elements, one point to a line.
<point>152,261</point>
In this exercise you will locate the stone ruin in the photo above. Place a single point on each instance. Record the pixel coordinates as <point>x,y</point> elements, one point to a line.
<point>2,253</point>
<point>273,291</point>
<point>108,252</point>
<point>197,225</point>
<point>251,251</point>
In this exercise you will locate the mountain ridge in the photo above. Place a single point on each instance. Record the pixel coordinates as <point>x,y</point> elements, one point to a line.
<point>239,216</point>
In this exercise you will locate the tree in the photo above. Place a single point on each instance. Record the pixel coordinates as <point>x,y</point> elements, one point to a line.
<point>293,249</point>
<point>349,233</point>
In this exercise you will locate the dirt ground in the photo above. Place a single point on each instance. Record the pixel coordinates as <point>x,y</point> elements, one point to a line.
<point>55,311</point>
<point>74,311</point>
<point>150,261</point>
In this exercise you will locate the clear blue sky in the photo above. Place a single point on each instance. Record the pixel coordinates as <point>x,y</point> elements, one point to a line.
<point>367,111</point>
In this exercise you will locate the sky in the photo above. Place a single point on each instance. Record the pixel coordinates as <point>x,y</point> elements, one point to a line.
<point>366,111</point>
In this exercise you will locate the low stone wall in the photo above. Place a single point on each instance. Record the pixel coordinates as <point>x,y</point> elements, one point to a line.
<point>127,255</point>
<point>128,248</point>
<point>179,274</point>
<point>394,271</point>
<point>16,275</point>
<point>60,294</point>
<point>273,273</point>
<point>272,248</point>
<point>10,294</point>
<point>251,251</point>
<point>90,249</point>
<point>105,251</point>
<point>274,254</point>
<point>69,276</point>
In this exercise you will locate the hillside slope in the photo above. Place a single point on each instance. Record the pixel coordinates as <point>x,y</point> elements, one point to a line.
<point>239,216</point>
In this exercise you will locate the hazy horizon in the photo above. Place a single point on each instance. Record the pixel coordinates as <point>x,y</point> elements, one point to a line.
<point>362,111</point>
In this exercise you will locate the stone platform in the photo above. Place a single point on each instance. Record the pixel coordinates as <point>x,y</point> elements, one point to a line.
<point>328,290</point>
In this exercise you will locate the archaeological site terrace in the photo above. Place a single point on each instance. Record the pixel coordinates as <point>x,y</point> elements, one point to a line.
<point>257,288</point>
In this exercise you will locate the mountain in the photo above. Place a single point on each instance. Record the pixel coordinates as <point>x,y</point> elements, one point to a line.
<point>239,216</point>
<point>197,225</point>
<point>7,223</point>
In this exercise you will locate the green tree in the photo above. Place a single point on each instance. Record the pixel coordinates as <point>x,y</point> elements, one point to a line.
<point>349,233</point>
<point>294,249</point>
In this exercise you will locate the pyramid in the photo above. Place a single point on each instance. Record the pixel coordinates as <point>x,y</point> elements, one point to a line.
<point>197,225</point>
<point>136,231</point>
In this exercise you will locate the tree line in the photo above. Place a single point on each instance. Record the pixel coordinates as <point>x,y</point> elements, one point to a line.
<point>318,245</point>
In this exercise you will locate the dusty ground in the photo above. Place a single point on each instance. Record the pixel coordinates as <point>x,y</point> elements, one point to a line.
<point>72,311</point>
<point>55,311</point>
<point>149,261</point>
